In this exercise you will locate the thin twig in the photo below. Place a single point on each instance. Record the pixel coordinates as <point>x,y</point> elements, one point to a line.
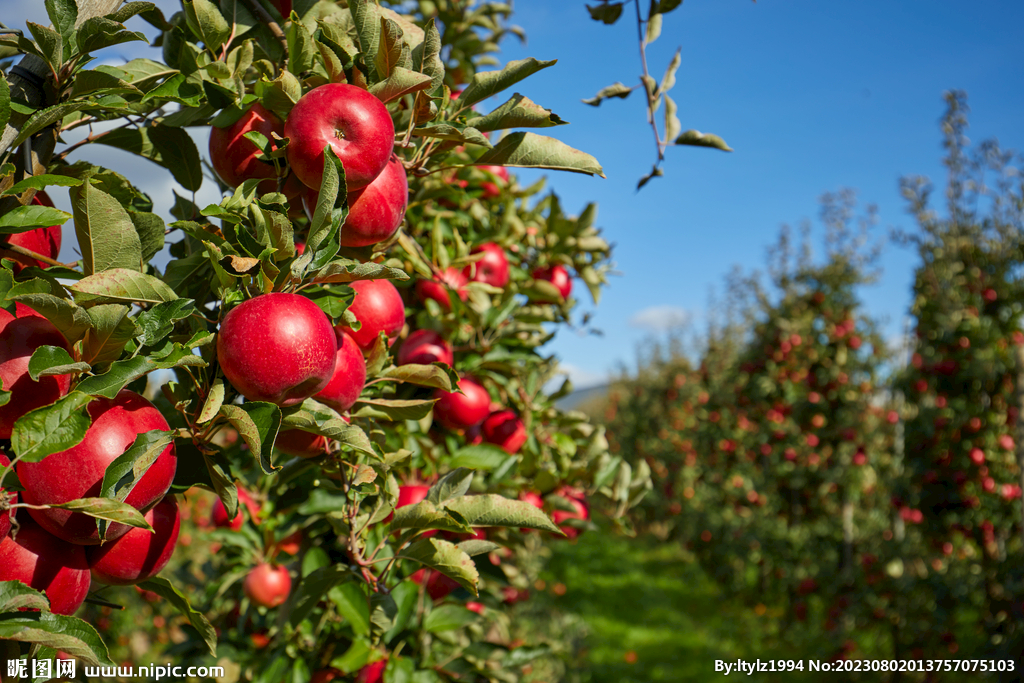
<point>646,77</point>
<point>32,254</point>
<point>264,16</point>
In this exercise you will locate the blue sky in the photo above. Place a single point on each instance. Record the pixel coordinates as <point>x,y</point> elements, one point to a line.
<point>813,96</point>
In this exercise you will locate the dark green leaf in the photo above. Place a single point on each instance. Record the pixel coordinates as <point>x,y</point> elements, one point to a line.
<point>366,17</point>
<point>89,82</point>
<point>53,360</point>
<point>446,558</point>
<point>487,83</point>
<point>164,589</point>
<point>530,150</point>
<point>393,409</point>
<point>106,510</point>
<point>157,322</point>
<point>151,231</point>
<point>14,595</point>
<point>352,605</point>
<point>313,588</point>
<point>695,138</point>
<point>97,33</point>
<point>53,428</point>
<point>106,234</point>
<point>64,15</point>
<point>70,320</point>
<point>608,13</point>
<point>258,424</point>
<point>518,112</point>
<point>38,182</point>
<point>50,44</point>
<point>69,635</point>
<point>494,510</point>
<point>400,82</point>
<point>172,148</point>
<point>447,618</point>
<point>206,21</point>
<point>479,457</point>
<point>25,218</point>
<point>425,515</point>
<point>121,285</point>
<point>434,375</point>
<point>619,90</point>
<point>450,486</point>
<point>123,372</point>
<point>112,328</point>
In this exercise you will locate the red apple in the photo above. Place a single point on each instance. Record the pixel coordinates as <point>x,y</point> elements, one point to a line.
<point>372,673</point>
<point>47,564</point>
<point>493,190</point>
<point>300,444</point>
<point>437,584</point>
<point>374,212</point>
<point>283,6</point>
<point>219,514</point>
<point>5,516</point>
<point>349,376</point>
<point>577,499</point>
<point>326,676</point>
<point>492,269</point>
<point>504,428</point>
<point>378,307</point>
<point>353,122</point>
<point>291,544</point>
<point>267,585</point>
<point>410,495</point>
<point>277,347</point>
<point>78,472</point>
<point>556,275</point>
<point>44,241</point>
<point>424,347</point>
<point>234,157</point>
<point>19,338</point>
<point>462,411</point>
<point>139,554</point>
<point>437,289</point>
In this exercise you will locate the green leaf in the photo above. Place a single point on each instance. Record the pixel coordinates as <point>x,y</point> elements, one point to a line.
<point>619,90</point>
<point>106,234</point>
<point>97,33</point>
<point>479,457</point>
<point>53,428</point>
<point>213,403</point>
<point>171,148</point>
<point>50,44</point>
<point>47,361</point>
<point>164,589</point>
<point>426,515</point>
<point>89,82</point>
<point>238,16</point>
<point>25,218</point>
<point>348,270</point>
<point>405,595</point>
<point>393,409</point>
<point>157,322</point>
<point>668,81</point>
<point>434,375</point>
<point>518,112</point>
<point>301,48</point>
<point>258,423</point>
<point>672,124</point>
<point>529,150</point>
<point>47,117</point>
<point>695,138</point>
<point>125,471</point>
<point>129,10</point>
<point>64,15</point>
<point>453,131</point>
<point>366,18</point>
<point>112,328</point>
<point>178,88</point>
<point>123,372</point>
<point>14,595</point>
<point>353,606</point>
<point>493,510</point>
<point>653,28</point>
<point>446,558</point>
<point>5,103</point>
<point>121,285</point>
<point>666,6</point>
<point>487,83</point>
<point>427,55</point>
<point>317,418</point>
<point>475,546</point>
<point>313,588</point>
<point>205,20</point>
<point>389,49</point>
<point>69,635</point>
<point>450,486</point>
<point>151,231</point>
<point>447,618</point>
<point>107,510</point>
<point>608,13</point>
<point>38,182</point>
<point>400,82</point>
<point>70,320</point>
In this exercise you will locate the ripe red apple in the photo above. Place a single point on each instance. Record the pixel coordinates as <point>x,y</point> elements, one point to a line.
<point>378,307</point>
<point>47,564</point>
<point>326,676</point>
<point>277,347</point>
<point>577,499</point>
<point>437,584</point>
<point>300,444</point>
<point>283,6</point>
<point>372,673</point>
<point>267,585</point>
<point>374,212</point>
<point>19,338</point>
<point>412,494</point>
<point>492,269</point>
<point>139,554</point>
<point>219,514</point>
<point>452,278</point>
<point>462,411</point>
<point>234,157</point>
<point>78,472</point>
<point>353,122</point>
<point>492,190</point>
<point>504,428</point>
<point>424,347</point>
<point>349,376</point>
<point>44,241</point>
<point>5,516</point>
<point>556,275</point>
<point>291,544</point>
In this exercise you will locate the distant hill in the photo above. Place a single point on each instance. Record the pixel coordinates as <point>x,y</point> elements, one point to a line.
<point>580,397</point>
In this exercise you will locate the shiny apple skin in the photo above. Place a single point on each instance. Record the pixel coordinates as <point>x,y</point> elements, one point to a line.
<point>349,376</point>
<point>462,411</point>
<point>372,673</point>
<point>44,241</point>
<point>48,564</point>
<point>78,471</point>
<point>268,586</point>
<point>503,428</point>
<point>234,157</point>
<point>556,275</point>
<point>277,347</point>
<point>439,290</point>
<point>353,122</point>
<point>5,517</point>
<point>492,269</point>
<point>424,347</point>
<point>379,308</point>
<point>19,338</point>
<point>139,554</point>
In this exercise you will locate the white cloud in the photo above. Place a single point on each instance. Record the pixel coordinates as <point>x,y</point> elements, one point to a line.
<point>660,318</point>
<point>580,377</point>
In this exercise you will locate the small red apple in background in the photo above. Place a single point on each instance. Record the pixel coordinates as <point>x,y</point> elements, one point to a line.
<point>411,494</point>
<point>43,241</point>
<point>378,307</point>
<point>283,6</point>
<point>277,347</point>
<point>437,584</point>
<point>504,428</point>
<point>372,673</point>
<point>139,554</point>
<point>326,676</point>
<point>462,411</point>
<point>234,157</point>
<point>532,498</point>
<point>290,544</point>
<point>438,290</point>
<point>556,275</point>
<point>48,564</point>
<point>492,190</point>
<point>349,376</point>
<point>300,444</point>
<point>353,122</point>
<point>424,347</point>
<point>267,585</point>
<point>219,515</point>
<point>5,515</point>
<point>492,269</point>
<point>19,338</point>
<point>577,499</point>
<point>78,472</point>
<point>374,212</point>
